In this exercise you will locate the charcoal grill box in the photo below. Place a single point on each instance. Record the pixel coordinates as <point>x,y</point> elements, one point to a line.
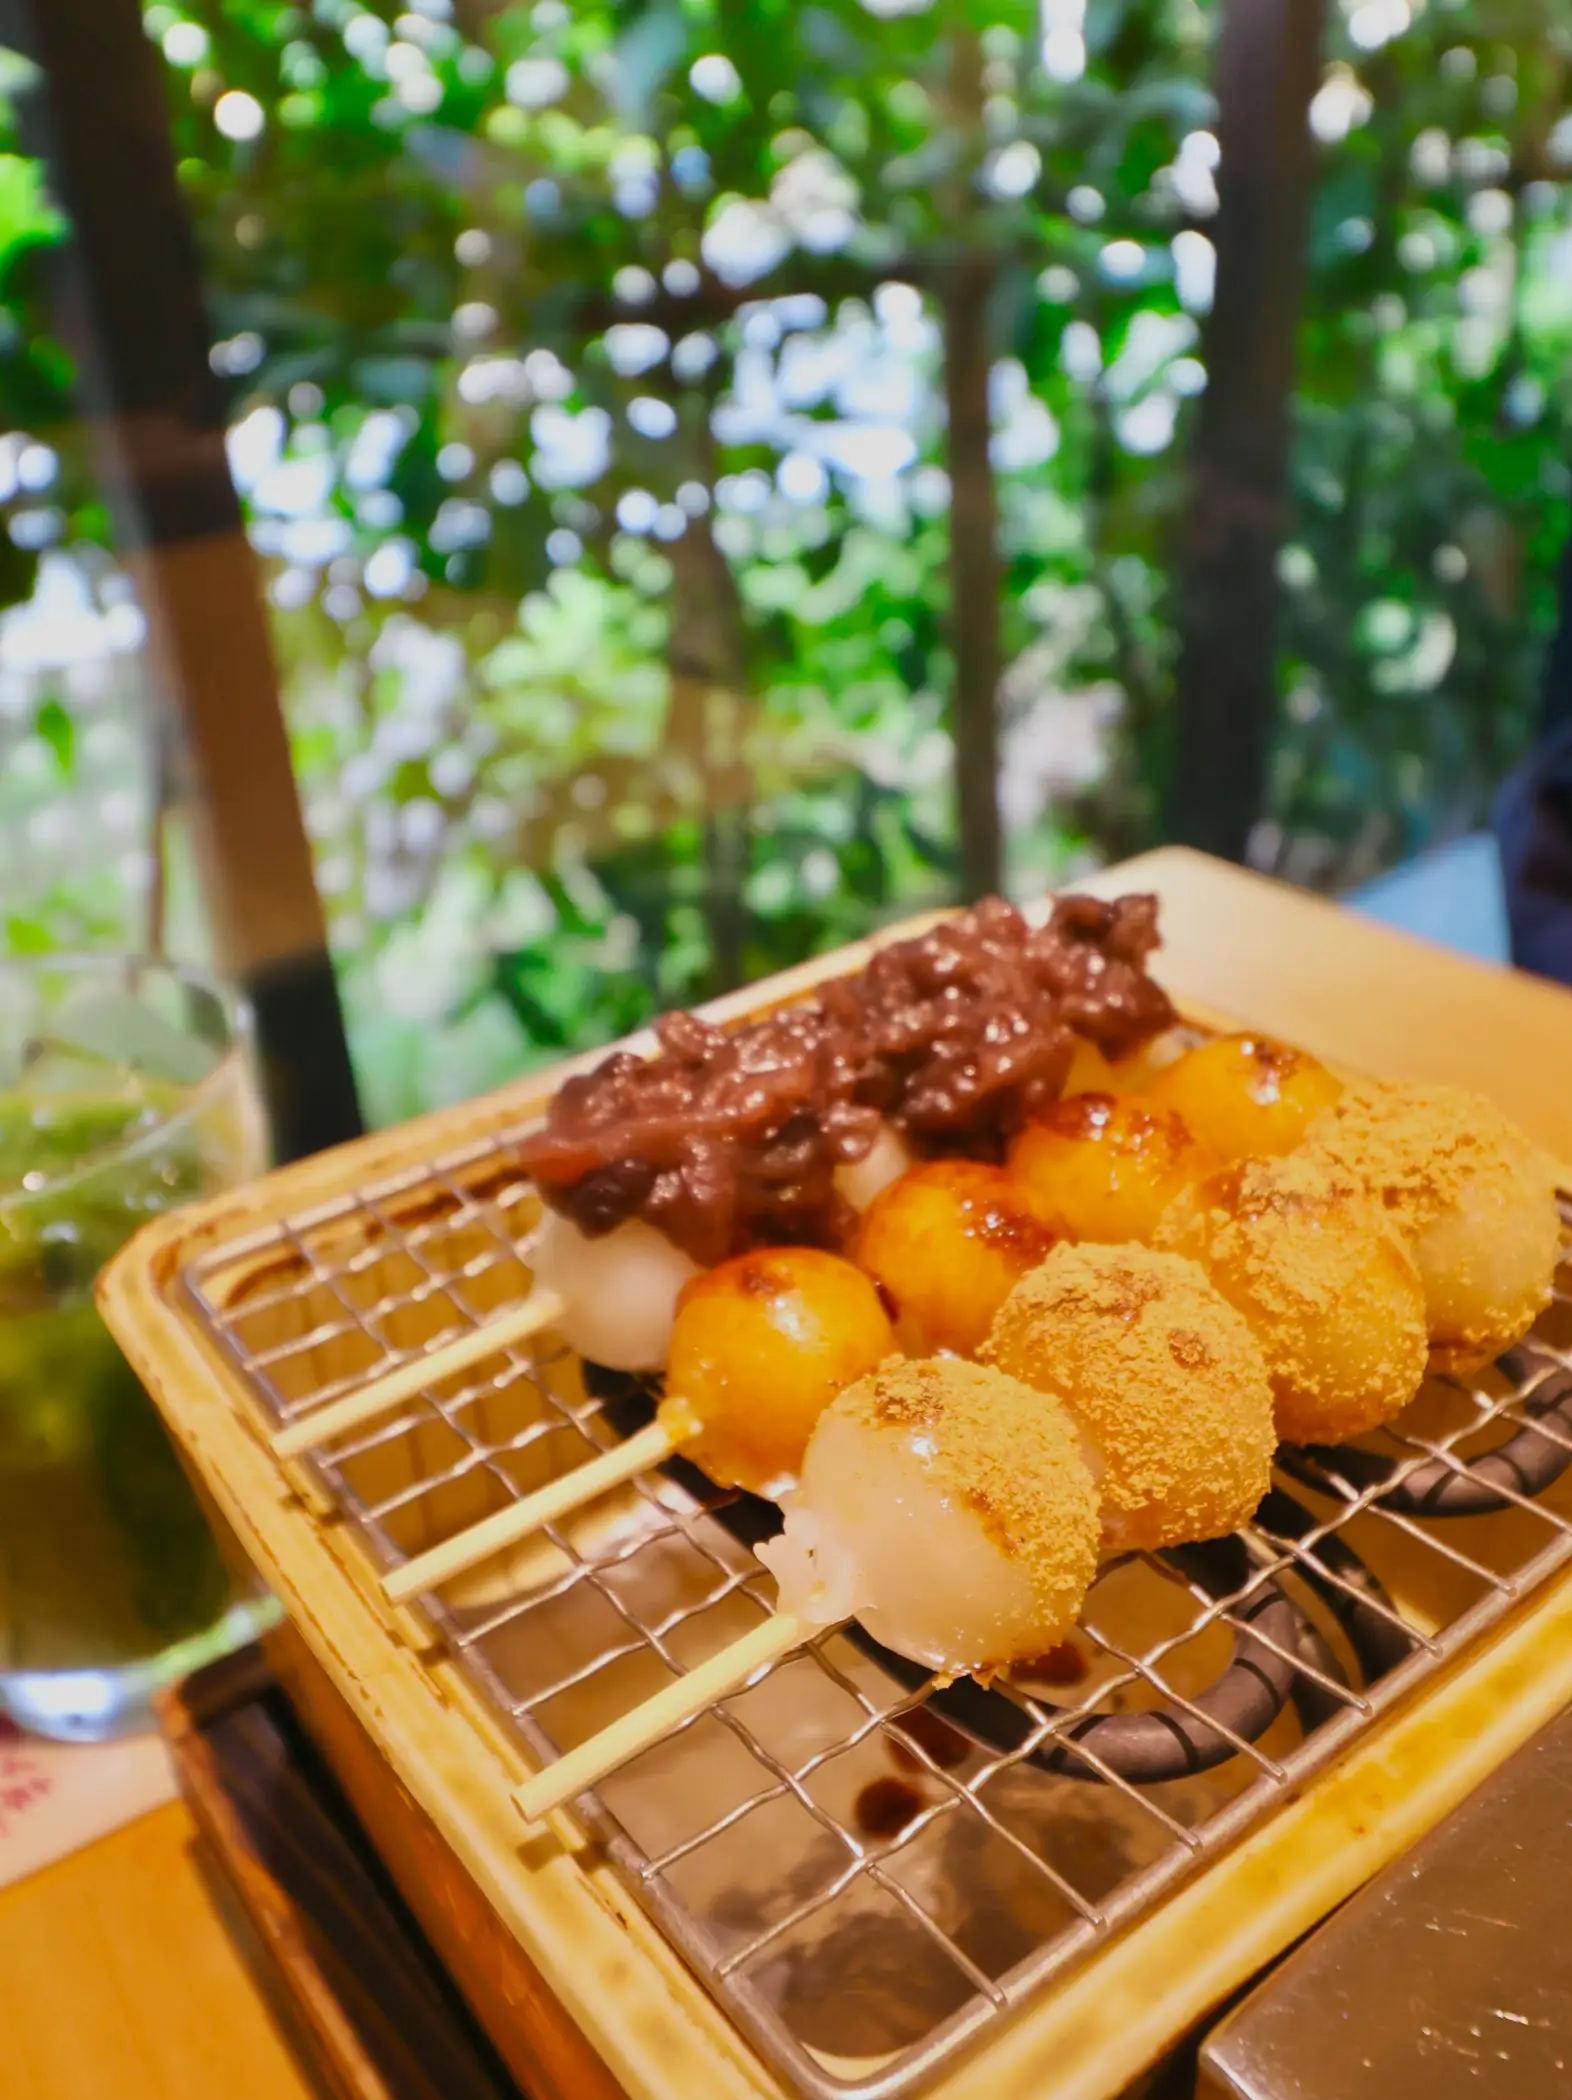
<point>738,1913</point>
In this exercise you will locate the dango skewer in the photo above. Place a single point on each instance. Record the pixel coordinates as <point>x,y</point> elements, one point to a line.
<point>368,1403</point>
<point>613,1298</point>
<point>954,1031</point>
<point>943,1504</point>
<point>663,1714</point>
<point>759,1348</point>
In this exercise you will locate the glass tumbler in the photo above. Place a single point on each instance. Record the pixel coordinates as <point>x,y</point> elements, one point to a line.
<point>126,1088</point>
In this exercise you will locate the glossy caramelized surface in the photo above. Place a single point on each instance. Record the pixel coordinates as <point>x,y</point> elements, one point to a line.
<point>1246,1095</point>
<point>946,1244</point>
<point>761,1347</point>
<point>1108,1166</point>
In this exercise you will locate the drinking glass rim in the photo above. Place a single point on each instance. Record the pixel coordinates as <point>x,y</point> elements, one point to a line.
<point>239,1021</point>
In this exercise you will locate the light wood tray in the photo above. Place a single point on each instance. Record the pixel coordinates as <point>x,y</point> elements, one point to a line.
<point>580,1991</point>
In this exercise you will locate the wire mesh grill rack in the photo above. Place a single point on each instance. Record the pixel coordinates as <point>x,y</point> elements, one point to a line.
<point>867,1869</point>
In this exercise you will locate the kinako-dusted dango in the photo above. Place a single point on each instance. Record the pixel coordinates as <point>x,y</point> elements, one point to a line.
<point>1331,1292</point>
<point>1164,1379</point>
<point>1472,1194</point>
<point>946,1506</point>
<point>949,1508</point>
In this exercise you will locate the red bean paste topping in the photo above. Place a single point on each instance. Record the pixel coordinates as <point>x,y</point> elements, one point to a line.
<point>730,1138</point>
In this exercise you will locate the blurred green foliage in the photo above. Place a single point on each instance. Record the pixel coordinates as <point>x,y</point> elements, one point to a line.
<point>588,409</point>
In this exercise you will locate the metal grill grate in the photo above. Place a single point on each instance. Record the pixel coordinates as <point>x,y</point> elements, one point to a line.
<point>868,1870</point>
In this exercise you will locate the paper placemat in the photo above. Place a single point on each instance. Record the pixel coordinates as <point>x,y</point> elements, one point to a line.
<point>56,1797</point>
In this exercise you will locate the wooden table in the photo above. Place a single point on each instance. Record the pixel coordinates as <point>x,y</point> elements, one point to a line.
<point>119,1980</point>
<point>117,1974</point>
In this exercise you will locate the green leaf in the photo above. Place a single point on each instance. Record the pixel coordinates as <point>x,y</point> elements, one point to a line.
<point>26,936</point>
<point>25,212</point>
<point>58,731</point>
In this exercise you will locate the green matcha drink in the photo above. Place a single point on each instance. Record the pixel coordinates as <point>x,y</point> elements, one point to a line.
<point>124,1090</point>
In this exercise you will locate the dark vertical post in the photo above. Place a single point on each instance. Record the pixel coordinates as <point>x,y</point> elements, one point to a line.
<point>965,293</point>
<point>1268,69</point>
<point>133,315</point>
<point>975,578</point>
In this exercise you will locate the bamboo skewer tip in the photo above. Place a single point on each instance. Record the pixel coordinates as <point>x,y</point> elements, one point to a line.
<point>519,1520</point>
<point>381,1395</point>
<point>650,1723</point>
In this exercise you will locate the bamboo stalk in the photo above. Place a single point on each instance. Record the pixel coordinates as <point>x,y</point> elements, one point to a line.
<point>660,1716</point>
<point>541,1309</point>
<point>506,1527</point>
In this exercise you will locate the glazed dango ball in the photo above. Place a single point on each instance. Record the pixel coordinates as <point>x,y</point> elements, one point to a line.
<point>1164,1379</point>
<point>1472,1194</point>
<point>949,1508</point>
<point>1246,1095</point>
<point>1108,1168</point>
<point>945,1244</point>
<point>760,1347</point>
<point>1332,1294</point>
<point>619,1291</point>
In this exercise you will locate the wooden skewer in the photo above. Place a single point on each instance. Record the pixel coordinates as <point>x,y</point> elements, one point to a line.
<point>382,1395</point>
<point>505,1527</point>
<point>695,1690</point>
